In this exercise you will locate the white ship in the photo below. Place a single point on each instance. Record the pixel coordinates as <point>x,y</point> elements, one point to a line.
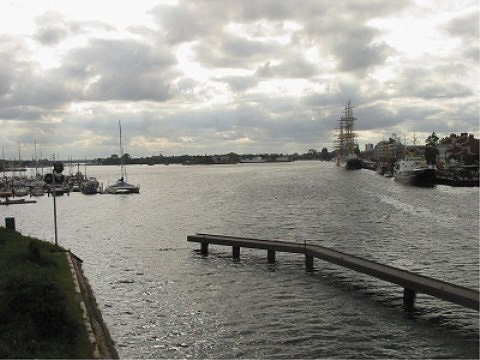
<point>415,171</point>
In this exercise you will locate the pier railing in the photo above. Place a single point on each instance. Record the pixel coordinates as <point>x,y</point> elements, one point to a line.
<point>411,282</point>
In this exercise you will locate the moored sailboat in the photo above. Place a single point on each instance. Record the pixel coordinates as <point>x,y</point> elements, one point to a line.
<point>122,186</point>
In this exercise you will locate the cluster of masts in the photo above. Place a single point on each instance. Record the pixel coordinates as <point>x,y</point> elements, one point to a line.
<point>345,143</point>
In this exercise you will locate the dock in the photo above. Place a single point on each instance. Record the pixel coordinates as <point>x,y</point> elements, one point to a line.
<point>412,283</point>
<point>17,202</point>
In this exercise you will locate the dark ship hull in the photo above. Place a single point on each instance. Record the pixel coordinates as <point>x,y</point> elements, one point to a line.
<point>353,164</point>
<point>421,177</point>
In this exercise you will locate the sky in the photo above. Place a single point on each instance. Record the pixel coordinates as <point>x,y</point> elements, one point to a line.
<point>244,76</point>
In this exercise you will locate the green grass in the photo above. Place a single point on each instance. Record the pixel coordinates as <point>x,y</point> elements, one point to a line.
<point>40,315</point>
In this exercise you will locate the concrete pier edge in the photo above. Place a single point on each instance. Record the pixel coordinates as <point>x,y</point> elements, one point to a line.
<point>97,330</point>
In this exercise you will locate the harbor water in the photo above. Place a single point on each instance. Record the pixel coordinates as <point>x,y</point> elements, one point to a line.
<point>160,298</point>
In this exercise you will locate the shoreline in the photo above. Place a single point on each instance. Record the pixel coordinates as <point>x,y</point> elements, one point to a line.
<point>104,345</point>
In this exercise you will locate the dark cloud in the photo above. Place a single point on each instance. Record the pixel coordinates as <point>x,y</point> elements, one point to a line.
<point>465,26</point>
<point>185,22</point>
<point>233,51</point>
<point>339,28</point>
<point>26,94</point>
<point>354,56</point>
<point>336,93</point>
<point>52,28</point>
<point>121,70</point>
<point>425,83</point>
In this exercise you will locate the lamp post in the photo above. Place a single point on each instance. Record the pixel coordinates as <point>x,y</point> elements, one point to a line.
<point>57,169</point>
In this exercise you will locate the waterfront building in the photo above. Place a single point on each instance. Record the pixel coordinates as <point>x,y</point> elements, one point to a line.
<point>458,149</point>
<point>388,151</point>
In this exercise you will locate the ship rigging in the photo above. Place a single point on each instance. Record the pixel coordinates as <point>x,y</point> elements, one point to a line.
<point>346,140</point>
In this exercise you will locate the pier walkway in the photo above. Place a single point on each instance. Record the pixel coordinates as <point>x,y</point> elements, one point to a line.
<point>411,282</point>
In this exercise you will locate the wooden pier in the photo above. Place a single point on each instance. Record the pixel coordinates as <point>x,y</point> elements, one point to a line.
<point>17,202</point>
<point>411,282</point>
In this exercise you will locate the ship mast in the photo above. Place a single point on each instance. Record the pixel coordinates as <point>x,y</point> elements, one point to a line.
<point>122,165</point>
<point>346,135</point>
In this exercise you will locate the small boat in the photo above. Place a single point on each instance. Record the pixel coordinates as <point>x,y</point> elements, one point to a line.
<point>20,191</point>
<point>37,191</point>
<point>5,194</point>
<point>90,187</point>
<point>17,201</point>
<point>59,190</point>
<point>121,186</point>
<point>415,171</point>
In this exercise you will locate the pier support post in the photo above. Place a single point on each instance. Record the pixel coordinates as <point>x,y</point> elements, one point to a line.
<point>236,252</point>
<point>271,256</point>
<point>10,223</point>
<point>308,263</point>
<point>409,299</point>
<point>204,248</point>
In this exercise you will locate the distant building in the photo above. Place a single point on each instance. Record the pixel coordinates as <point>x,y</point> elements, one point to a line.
<point>368,147</point>
<point>458,149</point>
<point>388,151</point>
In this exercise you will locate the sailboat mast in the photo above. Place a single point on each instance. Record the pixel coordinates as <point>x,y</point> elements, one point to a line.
<point>122,165</point>
<point>4,162</point>
<point>36,160</point>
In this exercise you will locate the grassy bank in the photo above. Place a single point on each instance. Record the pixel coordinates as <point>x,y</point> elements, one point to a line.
<point>40,316</point>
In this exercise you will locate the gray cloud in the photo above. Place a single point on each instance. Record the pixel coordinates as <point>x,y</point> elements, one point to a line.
<point>26,94</point>
<point>465,26</point>
<point>340,28</point>
<point>423,83</point>
<point>294,67</point>
<point>52,28</point>
<point>233,51</point>
<point>239,83</point>
<point>121,70</point>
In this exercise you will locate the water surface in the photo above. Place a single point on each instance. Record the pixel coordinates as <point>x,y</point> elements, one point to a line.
<point>162,299</point>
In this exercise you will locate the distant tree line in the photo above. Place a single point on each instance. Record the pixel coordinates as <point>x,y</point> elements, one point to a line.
<point>114,159</point>
<point>232,157</point>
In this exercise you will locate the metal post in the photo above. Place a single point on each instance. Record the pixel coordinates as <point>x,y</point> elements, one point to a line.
<point>10,223</point>
<point>308,263</point>
<point>55,207</point>
<point>236,252</point>
<point>409,299</point>
<point>271,256</point>
<point>204,248</point>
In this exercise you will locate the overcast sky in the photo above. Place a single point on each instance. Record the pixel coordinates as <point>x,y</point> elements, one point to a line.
<point>214,76</point>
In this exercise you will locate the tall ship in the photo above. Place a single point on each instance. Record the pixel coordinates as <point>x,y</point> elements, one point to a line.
<point>346,140</point>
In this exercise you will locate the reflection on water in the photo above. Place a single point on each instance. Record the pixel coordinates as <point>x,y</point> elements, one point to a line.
<point>161,298</point>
